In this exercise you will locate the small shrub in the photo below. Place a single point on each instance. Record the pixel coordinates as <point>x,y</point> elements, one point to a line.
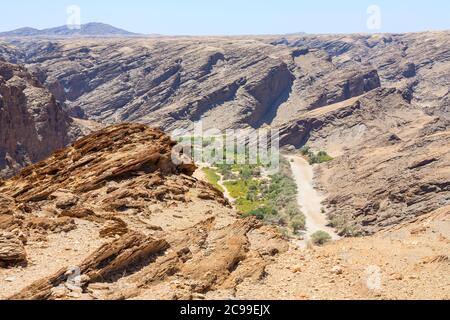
<point>298,223</point>
<point>292,210</point>
<point>324,157</point>
<point>306,151</point>
<point>224,169</point>
<point>320,238</point>
<point>321,157</point>
<point>352,231</point>
<point>262,213</point>
<point>246,173</point>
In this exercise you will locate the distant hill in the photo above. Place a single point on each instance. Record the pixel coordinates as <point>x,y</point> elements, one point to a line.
<point>90,29</point>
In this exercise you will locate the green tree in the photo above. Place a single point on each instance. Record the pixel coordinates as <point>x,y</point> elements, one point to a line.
<point>298,223</point>
<point>320,238</point>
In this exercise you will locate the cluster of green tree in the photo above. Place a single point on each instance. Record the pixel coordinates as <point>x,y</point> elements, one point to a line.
<point>222,151</point>
<point>320,238</point>
<point>273,200</point>
<point>236,171</point>
<point>313,158</point>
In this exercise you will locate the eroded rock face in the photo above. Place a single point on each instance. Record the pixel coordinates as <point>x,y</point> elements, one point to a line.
<point>241,81</point>
<point>170,83</point>
<point>417,63</point>
<point>32,123</point>
<point>391,145</point>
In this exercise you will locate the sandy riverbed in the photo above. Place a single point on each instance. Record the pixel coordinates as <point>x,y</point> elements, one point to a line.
<point>309,199</point>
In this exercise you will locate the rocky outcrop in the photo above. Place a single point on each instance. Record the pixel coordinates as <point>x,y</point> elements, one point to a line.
<point>125,189</point>
<point>102,265</point>
<point>32,123</point>
<point>96,161</point>
<point>12,250</point>
<point>9,53</point>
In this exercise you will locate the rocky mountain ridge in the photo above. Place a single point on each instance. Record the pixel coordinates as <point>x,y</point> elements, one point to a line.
<point>93,29</point>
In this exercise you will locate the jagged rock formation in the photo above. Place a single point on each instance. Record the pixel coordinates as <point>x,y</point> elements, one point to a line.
<point>9,53</point>
<point>152,223</point>
<point>12,251</point>
<point>32,123</point>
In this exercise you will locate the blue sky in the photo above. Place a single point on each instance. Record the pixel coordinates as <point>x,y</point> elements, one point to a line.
<point>230,17</point>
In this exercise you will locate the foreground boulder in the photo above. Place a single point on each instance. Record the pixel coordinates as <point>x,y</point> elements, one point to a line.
<point>12,251</point>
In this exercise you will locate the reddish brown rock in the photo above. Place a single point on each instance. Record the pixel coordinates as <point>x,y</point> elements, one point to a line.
<point>12,250</point>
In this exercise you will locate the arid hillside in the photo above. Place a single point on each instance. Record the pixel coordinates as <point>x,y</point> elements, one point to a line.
<point>407,262</point>
<point>113,217</point>
<point>116,206</point>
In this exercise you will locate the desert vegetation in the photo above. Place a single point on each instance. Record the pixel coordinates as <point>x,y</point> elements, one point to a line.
<point>320,238</point>
<point>271,197</point>
<point>213,178</point>
<point>316,158</point>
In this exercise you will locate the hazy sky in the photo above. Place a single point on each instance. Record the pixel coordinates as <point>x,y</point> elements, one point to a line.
<point>209,17</point>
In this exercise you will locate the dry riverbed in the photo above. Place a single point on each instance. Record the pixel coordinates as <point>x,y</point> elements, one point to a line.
<point>309,199</point>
